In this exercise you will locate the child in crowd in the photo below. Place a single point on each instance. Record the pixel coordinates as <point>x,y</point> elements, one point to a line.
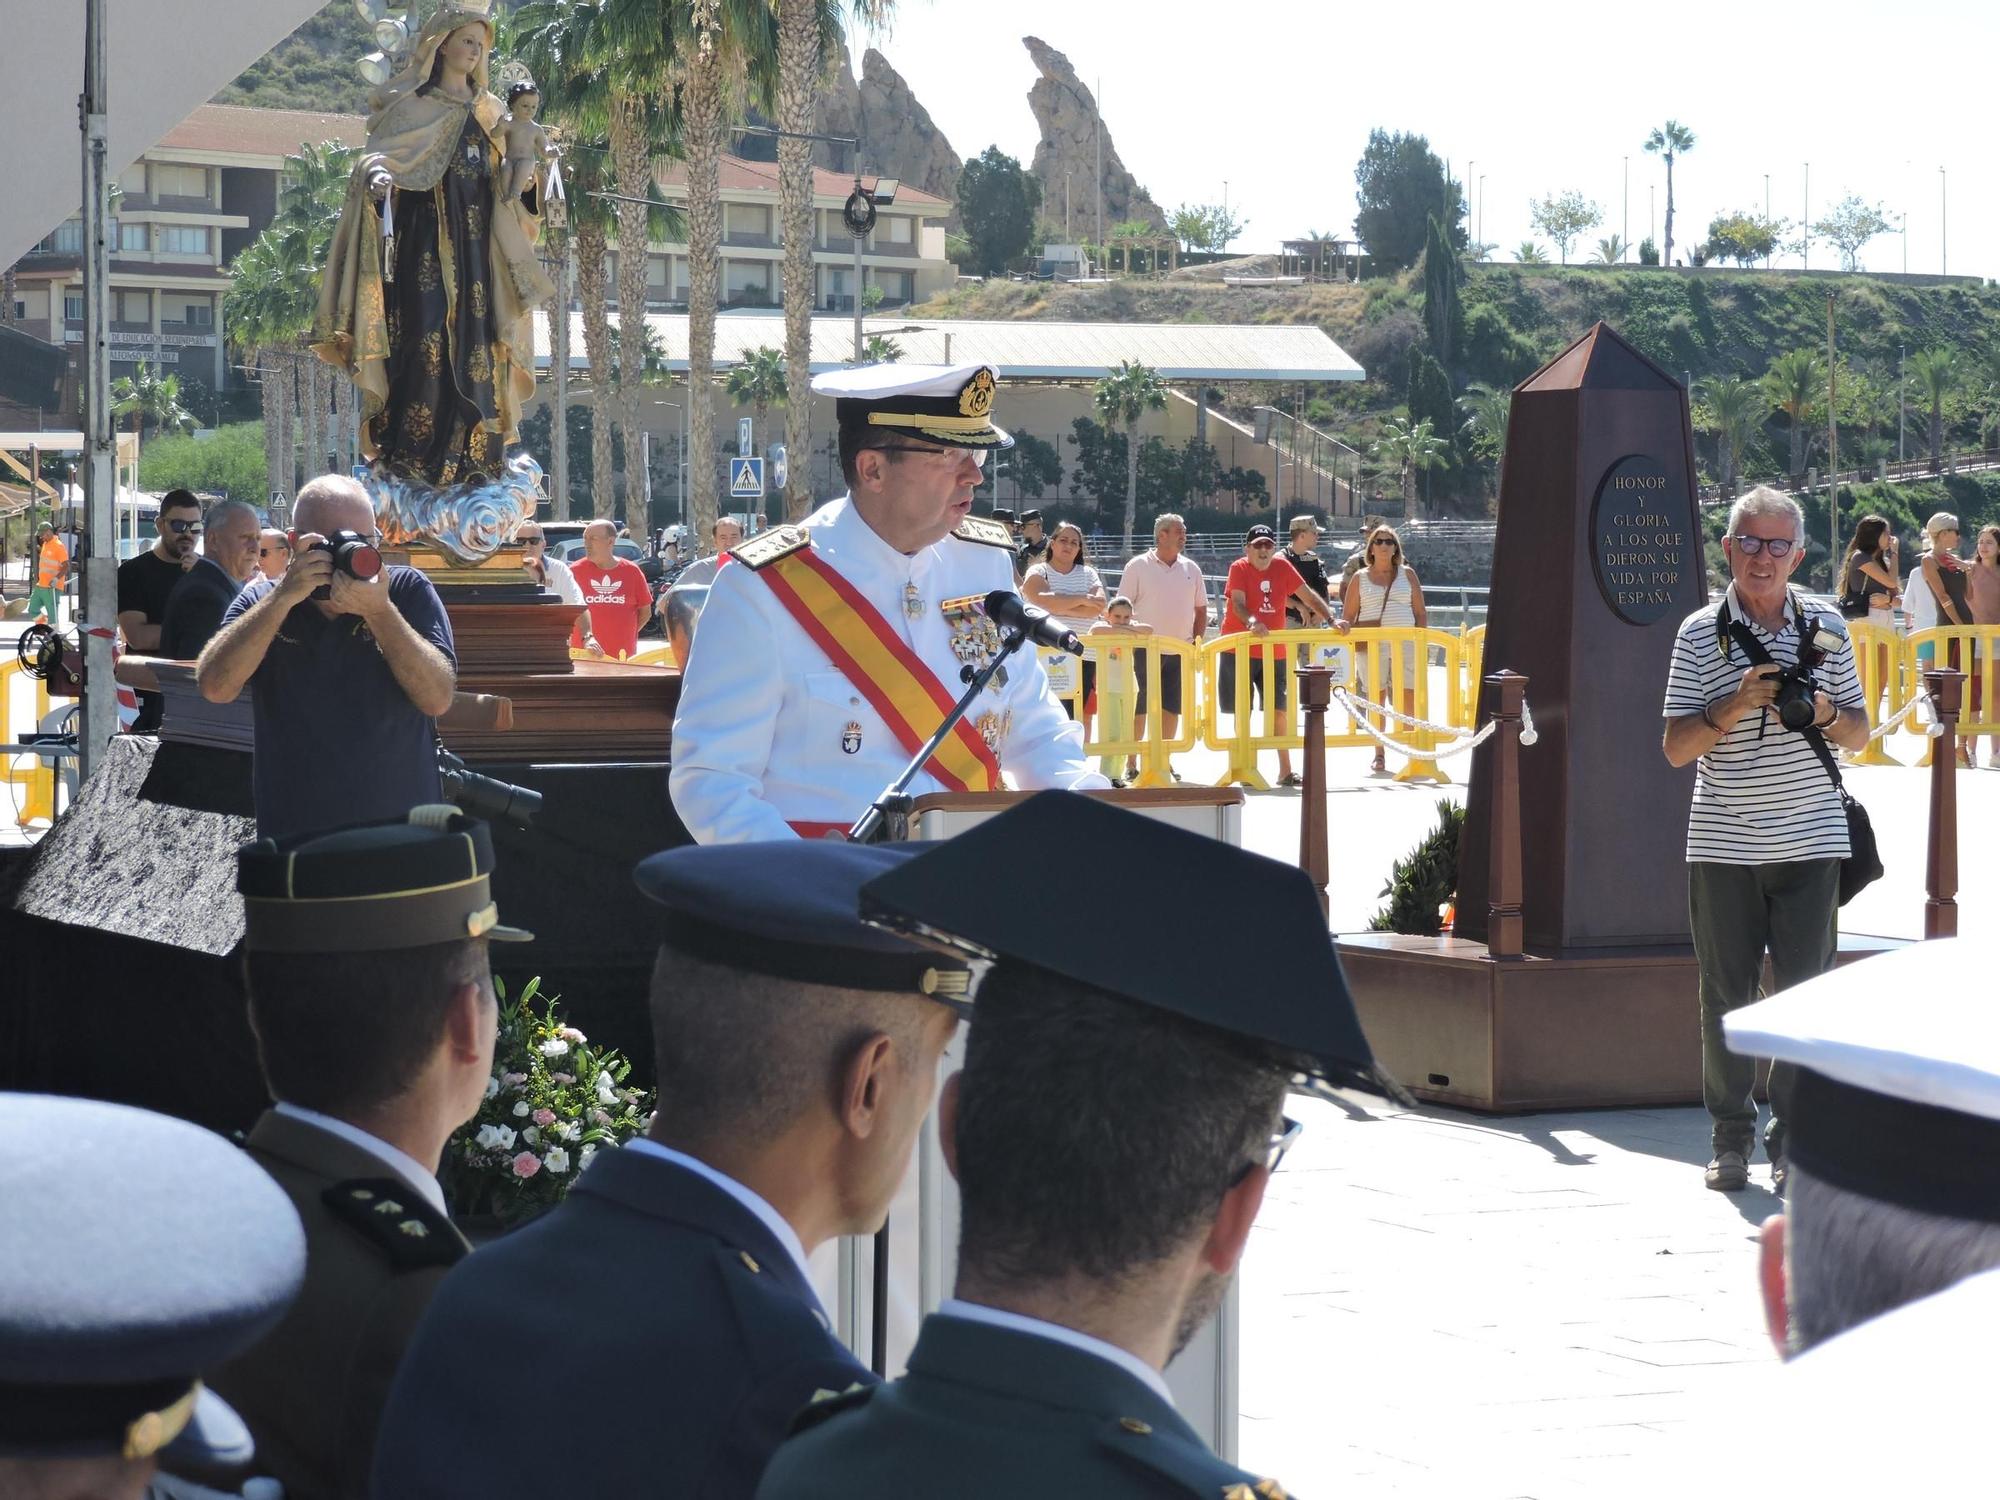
<point>1116,685</point>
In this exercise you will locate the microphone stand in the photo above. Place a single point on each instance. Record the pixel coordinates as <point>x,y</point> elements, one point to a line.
<point>869,826</point>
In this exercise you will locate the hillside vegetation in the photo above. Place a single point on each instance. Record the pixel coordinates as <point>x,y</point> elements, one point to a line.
<point>313,68</point>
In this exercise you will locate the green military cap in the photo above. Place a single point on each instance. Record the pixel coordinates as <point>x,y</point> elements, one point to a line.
<point>374,888</point>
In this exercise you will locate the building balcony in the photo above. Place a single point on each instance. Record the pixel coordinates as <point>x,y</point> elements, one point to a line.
<point>748,241</point>
<point>119,327</point>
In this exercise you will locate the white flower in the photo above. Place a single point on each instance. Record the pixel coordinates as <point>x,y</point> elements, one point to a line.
<point>570,1034</point>
<point>492,1087</point>
<point>531,1135</point>
<point>570,1131</point>
<point>495,1138</point>
<point>555,1046</point>
<point>606,1094</point>
<point>556,1160</point>
<point>521,1110</point>
<point>588,1152</point>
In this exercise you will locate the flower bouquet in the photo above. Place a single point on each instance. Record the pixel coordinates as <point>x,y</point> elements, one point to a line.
<point>552,1102</point>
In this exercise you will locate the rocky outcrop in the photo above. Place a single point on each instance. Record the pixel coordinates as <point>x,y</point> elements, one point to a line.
<point>898,137</point>
<point>1068,153</point>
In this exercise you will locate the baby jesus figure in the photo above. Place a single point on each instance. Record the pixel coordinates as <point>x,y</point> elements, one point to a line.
<point>526,147</point>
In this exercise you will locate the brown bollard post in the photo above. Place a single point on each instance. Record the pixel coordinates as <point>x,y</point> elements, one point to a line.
<point>1941,854</point>
<point>1315,694</point>
<point>1503,844</point>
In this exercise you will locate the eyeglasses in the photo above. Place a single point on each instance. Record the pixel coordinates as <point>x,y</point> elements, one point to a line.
<point>1382,541</point>
<point>274,551</point>
<point>532,541</point>
<point>184,528</point>
<point>1263,546</point>
<point>1282,1140</point>
<point>954,454</point>
<point>1776,546</point>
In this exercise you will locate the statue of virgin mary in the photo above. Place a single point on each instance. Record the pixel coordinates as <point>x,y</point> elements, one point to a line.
<point>439,338</point>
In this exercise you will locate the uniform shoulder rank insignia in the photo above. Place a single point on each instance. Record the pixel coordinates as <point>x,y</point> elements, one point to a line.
<point>396,1221</point>
<point>1191,1469</point>
<point>986,530</point>
<point>826,1405</point>
<point>768,546</point>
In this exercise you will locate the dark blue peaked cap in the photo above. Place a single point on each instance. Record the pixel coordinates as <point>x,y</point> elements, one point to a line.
<point>967,895</point>
<point>136,1252</point>
<point>788,909</point>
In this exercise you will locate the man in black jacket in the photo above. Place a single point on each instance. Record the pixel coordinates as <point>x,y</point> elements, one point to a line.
<point>1302,552</point>
<point>228,561</point>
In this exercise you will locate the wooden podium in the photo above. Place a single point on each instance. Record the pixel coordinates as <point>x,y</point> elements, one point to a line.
<point>924,1219</point>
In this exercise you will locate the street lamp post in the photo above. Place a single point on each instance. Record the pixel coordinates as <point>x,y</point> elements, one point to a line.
<point>1482,208</point>
<point>1625,212</point>
<point>1944,236</point>
<point>1805,222</point>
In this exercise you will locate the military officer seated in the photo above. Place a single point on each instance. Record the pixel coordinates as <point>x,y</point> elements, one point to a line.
<point>664,1308</point>
<point>828,658</point>
<point>137,1253</point>
<point>365,954</point>
<point>1112,1132</point>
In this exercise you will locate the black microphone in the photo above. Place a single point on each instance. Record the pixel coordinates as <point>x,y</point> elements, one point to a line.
<point>1007,608</point>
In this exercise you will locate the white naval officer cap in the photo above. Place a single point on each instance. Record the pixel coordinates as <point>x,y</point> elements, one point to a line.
<point>950,405</point>
<point>1898,1091</point>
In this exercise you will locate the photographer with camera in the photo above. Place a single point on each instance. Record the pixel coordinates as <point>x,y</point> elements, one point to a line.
<point>1756,688</point>
<point>351,661</point>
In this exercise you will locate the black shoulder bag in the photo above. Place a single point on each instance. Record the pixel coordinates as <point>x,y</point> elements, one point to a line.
<point>1863,865</point>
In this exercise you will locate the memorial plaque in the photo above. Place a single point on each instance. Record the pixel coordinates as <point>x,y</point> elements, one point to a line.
<point>1641,549</point>
<point>1596,561</point>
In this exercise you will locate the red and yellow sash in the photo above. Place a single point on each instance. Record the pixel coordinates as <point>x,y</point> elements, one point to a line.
<point>869,654</point>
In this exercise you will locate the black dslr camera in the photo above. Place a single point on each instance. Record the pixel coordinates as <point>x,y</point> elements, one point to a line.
<point>1796,684</point>
<point>353,554</point>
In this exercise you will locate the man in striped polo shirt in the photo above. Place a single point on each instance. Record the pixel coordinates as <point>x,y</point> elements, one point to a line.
<point>1766,832</point>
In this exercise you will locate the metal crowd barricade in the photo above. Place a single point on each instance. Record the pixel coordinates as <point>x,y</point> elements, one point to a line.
<point>36,773</point>
<point>1970,649</point>
<point>1885,687</point>
<point>1471,659</point>
<point>1154,748</point>
<point>1374,663</point>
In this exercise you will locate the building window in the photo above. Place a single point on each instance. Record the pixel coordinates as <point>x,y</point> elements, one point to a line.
<point>20,311</point>
<point>656,272</point>
<point>749,221</point>
<point>184,239</point>
<point>73,307</point>
<point>133,307</point>
<point>747,282</point>
<point>899,226</point>
<point>67,240</point>
<point>199,315</point>
<point>135,237</point>
<point>180,182</point>
<point>134,180</point>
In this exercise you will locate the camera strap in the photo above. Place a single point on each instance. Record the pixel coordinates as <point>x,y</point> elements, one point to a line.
<point>1729,629</point>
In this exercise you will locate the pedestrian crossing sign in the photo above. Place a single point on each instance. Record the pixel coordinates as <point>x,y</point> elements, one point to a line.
<point>746,478</point>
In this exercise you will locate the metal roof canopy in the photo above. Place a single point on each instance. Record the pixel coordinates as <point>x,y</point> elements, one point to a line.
<point>1026,350</point>
<point>165,57</point>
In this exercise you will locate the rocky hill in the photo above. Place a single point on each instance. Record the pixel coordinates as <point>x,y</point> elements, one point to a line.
<point>1067,157</point>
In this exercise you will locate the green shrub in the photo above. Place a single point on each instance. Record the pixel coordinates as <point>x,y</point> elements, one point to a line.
<point>231,463</point>
<point>1424,880</point>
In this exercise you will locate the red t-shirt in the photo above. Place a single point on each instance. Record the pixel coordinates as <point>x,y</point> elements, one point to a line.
<point>619,600</point>
<point>1266,590</point>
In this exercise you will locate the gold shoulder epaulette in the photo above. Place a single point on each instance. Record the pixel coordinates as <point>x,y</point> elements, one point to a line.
<point>767,547</point>
<point>986,530</point>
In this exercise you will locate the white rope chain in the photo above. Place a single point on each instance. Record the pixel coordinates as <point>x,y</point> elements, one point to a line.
<point>1358,709</point>
<point>1927,722</point>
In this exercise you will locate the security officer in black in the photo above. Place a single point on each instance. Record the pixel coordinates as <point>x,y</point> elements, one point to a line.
<point>137,1253</point>
<point>373,1006</point>
<point>663,1313</point>
<point>1112,1133</point>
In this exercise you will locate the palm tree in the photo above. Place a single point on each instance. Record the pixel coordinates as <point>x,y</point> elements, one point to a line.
<point>1412,448</point>
<point>731,53</point>
<point>1731,408</point>
<point>1486,412</point>
<point>758,382</point>
<point>1669,141</point>
<point>1937,374</point>
<point>1122,398</point>
<point>147,397</point>
<point>879,350</point>
<point>1611,250</point>
<point>1795,384</point>
<point>1528,253</point>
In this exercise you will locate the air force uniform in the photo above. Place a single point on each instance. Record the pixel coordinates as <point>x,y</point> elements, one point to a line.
<point>774,736</point>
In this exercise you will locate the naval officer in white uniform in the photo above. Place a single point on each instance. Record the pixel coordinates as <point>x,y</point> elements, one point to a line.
<point>775,736</point>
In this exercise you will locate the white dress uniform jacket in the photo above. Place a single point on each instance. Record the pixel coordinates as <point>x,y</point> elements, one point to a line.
<point>769,732</point>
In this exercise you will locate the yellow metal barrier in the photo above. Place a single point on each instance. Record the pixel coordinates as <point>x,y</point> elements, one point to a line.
<point>1471,660</point>
<point>1153,749</point>
<point>29,771</point>
<point>646,656</point>
<point>1973,650</point>
<point>1382,665</point>
<point>1885,689</point>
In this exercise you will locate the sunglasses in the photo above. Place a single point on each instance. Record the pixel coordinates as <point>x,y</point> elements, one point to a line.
<point>1265,545</point>
<point>532,541</point>
<point>184,528</point>
<point>954,454</point>
<point>1282,1140</point>
<point>274,551</point>
<point>1382,541</point>
<point>1776,546</point>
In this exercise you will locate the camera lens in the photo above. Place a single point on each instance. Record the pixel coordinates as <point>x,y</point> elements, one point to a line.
<point>357,558</point>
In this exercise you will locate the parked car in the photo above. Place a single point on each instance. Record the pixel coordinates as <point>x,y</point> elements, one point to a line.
<point>566,544</point>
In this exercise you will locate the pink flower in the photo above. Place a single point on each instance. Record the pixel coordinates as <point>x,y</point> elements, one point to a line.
<point>565,1079</point>
<point>512,1080</point>
<point>545,1117</point>
<point>527,1164</point>
<point>570,1034</point>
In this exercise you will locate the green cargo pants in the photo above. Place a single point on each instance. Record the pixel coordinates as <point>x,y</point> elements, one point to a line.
<point>1737,913</point>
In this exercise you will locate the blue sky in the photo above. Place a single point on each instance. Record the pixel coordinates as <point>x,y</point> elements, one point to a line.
<point>1539,99</point>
